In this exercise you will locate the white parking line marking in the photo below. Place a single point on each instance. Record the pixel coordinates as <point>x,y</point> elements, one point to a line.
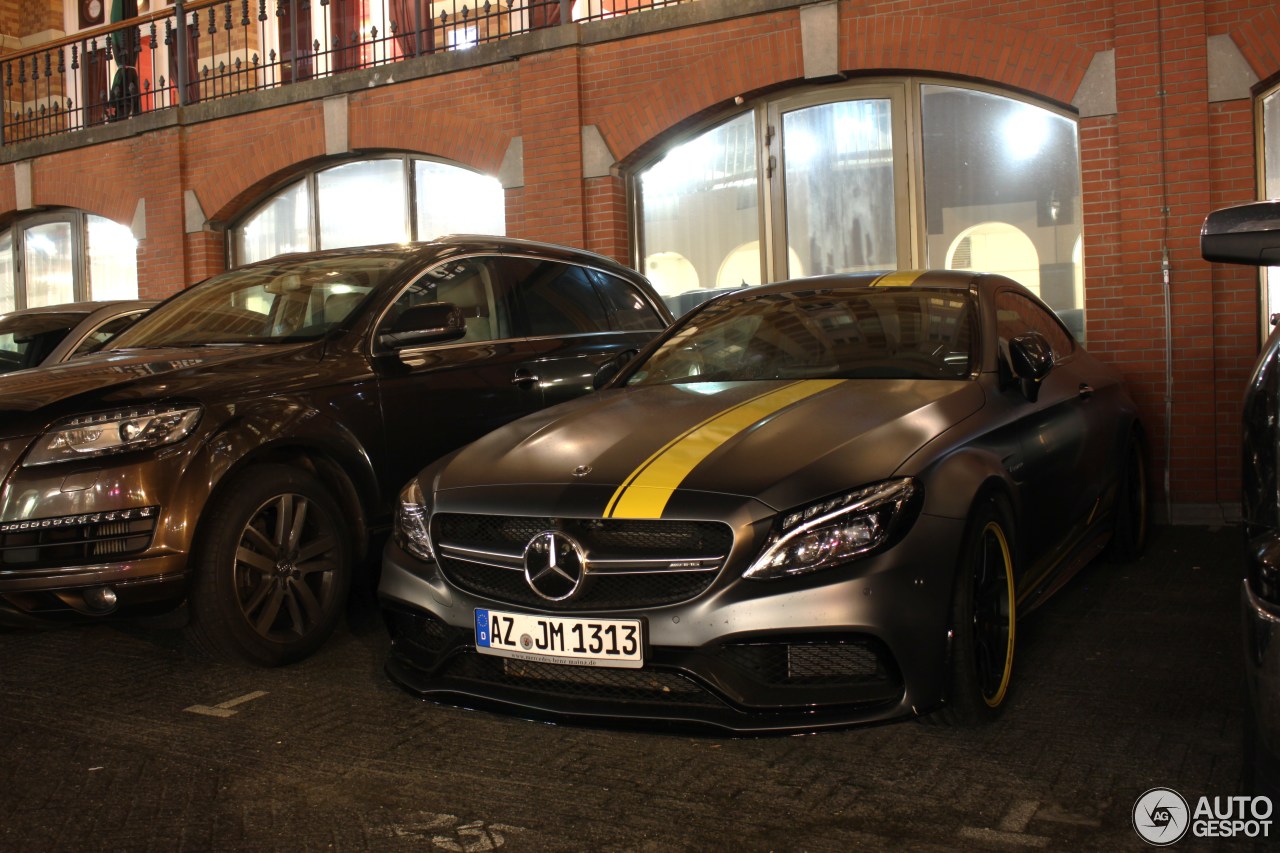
<point>1012,829</point>
<point>223,709</point>
<point>1019,816</point>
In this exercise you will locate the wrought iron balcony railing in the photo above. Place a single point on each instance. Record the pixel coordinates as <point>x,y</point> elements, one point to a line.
<point>210,49</point>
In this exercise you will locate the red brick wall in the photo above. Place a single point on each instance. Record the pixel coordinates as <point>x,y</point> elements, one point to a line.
<point>1166,147</point>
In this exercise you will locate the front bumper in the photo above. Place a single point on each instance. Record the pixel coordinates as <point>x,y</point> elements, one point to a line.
<point>95,537</point>
<point>854,644</point>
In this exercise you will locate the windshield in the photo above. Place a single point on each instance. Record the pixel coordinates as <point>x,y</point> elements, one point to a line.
<point>295,299</point>
<point>829,334</point>
<point>27,339</point>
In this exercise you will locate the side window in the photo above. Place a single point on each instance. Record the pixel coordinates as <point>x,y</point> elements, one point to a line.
<point>470,284</point>
<point>108,330</point>
<point>558,299</point>
<point>628,310</point>
<point>1017,315</point>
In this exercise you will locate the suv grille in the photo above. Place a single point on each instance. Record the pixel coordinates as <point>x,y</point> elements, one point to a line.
<point>76,539</point>
<point>629,563</point>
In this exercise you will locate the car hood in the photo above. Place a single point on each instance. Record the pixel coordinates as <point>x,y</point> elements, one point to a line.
<point>645,450</point>
<point>31,399</point>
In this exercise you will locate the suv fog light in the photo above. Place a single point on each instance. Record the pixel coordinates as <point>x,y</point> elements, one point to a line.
<point>100,599</point>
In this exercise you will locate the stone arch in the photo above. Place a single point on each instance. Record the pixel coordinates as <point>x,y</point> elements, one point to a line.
<point>1259,40</point>
<point>1019,59</point>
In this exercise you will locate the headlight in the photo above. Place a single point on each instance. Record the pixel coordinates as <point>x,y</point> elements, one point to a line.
<point>834,531</point>
<point>412,520</point>
<point>98,434</point>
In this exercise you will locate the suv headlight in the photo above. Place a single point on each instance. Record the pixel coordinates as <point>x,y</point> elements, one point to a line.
<point>835,530</point>
<point>99,434</point>
<point>413,518</point>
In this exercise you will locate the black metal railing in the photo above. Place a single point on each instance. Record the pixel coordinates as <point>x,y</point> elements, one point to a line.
<point>128,68</point>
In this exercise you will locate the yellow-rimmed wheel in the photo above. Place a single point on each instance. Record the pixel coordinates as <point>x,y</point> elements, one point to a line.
<point>983,618</point>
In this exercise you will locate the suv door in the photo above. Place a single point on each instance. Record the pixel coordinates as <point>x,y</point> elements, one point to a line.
<point>576,319</point>
<point>438,397</point>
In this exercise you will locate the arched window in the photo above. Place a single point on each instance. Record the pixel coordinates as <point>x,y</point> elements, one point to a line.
<point>877,175</point>
<point>367,202</point>
<point>66,256</point>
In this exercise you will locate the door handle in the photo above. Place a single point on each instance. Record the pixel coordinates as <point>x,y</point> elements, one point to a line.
<point>1086,391</point>
<point>524,377</point>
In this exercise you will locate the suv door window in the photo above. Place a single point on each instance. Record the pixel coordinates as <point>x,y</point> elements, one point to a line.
<point>469,284</point>
<point>627,307</point>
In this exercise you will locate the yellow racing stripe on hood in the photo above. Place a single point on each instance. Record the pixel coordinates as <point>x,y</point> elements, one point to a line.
<point>644,494</point>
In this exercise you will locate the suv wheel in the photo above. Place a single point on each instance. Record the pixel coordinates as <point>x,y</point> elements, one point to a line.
<point>273,568</point>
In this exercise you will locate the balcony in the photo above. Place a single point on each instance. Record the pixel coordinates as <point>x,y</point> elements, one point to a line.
<point>209,50</point>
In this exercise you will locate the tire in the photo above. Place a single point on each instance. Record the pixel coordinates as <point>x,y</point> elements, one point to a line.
<point>272,569</point>
<point>1133,507</point>
<point>983,619</point>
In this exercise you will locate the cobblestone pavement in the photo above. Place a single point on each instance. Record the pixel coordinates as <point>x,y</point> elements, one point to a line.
<point>119,738</point>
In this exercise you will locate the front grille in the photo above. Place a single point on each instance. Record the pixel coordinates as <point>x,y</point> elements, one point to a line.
<point>76,540</point>
<point>582,682</point>
<point>630,563</point>
<point>844,662</point>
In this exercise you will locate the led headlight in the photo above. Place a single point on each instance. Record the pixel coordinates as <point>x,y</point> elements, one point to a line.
<point>834,531</point>
<point>99,434</point>
<point>412,520</point>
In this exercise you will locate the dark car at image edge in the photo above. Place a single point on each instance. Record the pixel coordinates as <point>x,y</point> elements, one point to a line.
<point>238,448</point>
<point>1250,234</point>
<point>814,503</point>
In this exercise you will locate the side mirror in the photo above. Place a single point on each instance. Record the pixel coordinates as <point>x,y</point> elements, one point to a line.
<point>1031,358</point>
<point>431,323</point>
<point>608,371</point>
<point>1244,234</point>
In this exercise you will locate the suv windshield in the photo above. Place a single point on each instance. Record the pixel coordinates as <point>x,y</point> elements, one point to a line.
<point>296,299</point>
<point>829,334</point>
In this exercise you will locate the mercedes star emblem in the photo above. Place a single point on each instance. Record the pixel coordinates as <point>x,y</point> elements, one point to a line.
<point>554,565</point>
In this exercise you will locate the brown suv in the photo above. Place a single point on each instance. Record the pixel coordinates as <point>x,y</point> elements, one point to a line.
<point>238,446</point>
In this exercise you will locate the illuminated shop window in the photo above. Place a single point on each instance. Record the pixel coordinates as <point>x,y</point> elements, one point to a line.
<point>66,256</point>
<point>880,175</point>
<point>370,202</point>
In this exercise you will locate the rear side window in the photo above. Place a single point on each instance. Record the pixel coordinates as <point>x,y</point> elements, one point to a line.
<point>628,310</point>
<point>558,299</point>
<point>108,330</point>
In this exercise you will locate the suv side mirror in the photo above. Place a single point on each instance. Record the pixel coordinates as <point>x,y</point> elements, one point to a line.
<point>1031,358</point>
<point>1244,234</point>
<point>611,368</point>
<point>431,323</point>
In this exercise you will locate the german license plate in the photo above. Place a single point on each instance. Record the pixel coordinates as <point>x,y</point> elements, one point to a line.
<point>560,639</point>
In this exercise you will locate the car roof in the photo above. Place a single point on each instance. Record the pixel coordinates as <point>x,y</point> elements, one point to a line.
<point>957,280</point>
<point>463,244</point>
<point>82,308</point>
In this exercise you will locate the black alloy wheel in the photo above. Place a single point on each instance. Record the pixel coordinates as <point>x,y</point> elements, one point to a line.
<point>983,619</point>
<point>273,575</point>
